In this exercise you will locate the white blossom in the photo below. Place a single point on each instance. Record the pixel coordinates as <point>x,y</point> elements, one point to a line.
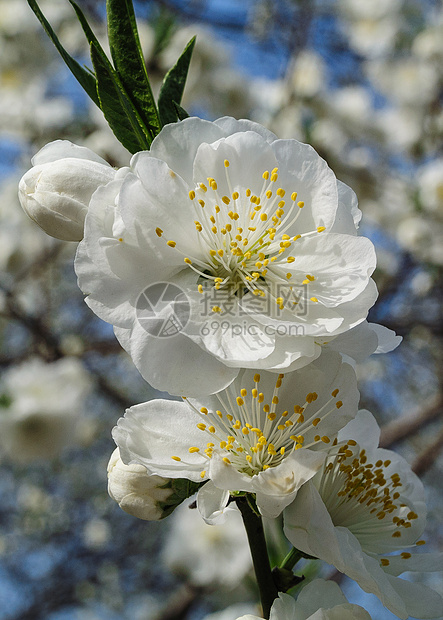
<point>360,513</point>
<point>227,212</point>
<point>319,600</point>
<point>208,555</point>
<point>43,404</point>
<point>264,434</point>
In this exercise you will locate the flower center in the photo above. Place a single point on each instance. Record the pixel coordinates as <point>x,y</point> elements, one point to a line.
<point>244,245</point>
<point>252,435</point>
<point>365,497</point>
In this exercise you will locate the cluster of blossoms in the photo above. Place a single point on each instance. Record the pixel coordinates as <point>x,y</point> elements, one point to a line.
<point>229,265</point>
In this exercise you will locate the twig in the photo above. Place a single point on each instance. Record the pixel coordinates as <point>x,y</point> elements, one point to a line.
<point>400,429</point>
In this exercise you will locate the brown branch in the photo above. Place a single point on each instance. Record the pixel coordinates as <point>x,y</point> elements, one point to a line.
<point>404,427</point>
<point>428,455</point>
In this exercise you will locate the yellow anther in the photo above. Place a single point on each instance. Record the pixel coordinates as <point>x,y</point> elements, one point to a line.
<point>316,421</point>
<point>275,400</point>
<point>203,187</point>
<point>202,474</point>
<point>335,392</point>
<point>325,439</point>
<point>198,226</point>
<point>193,449</point>
<point>188,261</point>
<point>158,232</point>
<point>301,204</point>
<point>201,203</point>
<point>265,175</point>
<point>274,177</point>
<point>240,401</point>
<point>314,299</point>
<point>405,555</point>
<point>396,534</point>
<point>263,217</point>
<point>321,228</point>
<point>226,200</point>
<point>261,397</point>
<point>200,288</point>
<point>268,194</point>
<point>248,192</point>
<point>203,410</point>
<point>216,309</point>
<point>220,252</point>
<point>265,467</point>
<point>294,196</point>
<point>248,458</point>
<point>211,429</point>
<point>230,417</point>
<point>201,426</point>
<point>272,416</point>
<point>176,458</point>
<point>226,162</point>
<point>235,195</point>
<point>254,393</point>
<point>290,259</point>
<point>192,194</point>
<point>245,430</point>
<point>226,460</point>
<point>281,192</point>
<point>419,543</point>
<point>296,237</point>
<point>171,244</point>
<point>339,404</point>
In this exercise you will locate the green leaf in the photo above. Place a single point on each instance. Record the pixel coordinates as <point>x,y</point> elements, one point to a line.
<point>181,112</point>
<point>84,77</point>
<point>129,63</point>
<point>173,86</point>
<point>116,106</point>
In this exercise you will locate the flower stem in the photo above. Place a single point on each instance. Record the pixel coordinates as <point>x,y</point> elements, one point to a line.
<point>291,559</point>
<point>257,543</point>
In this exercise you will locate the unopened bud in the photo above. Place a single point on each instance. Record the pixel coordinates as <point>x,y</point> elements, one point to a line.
<point>143,495</point>
<point>55,193</point>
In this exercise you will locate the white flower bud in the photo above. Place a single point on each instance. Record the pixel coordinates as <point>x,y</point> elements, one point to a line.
<point>55,193</point>
<point>135,491</point>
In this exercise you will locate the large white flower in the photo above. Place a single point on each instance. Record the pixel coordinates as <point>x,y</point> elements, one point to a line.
<point>258,234</point>
<point>364,505</point>
<point>264,434</point>
<point>319,600</point>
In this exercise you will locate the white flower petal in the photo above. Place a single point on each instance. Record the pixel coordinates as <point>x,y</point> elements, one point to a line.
<point>211,502</point>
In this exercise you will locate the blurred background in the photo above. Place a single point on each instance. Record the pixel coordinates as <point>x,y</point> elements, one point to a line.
<point>362,81</point>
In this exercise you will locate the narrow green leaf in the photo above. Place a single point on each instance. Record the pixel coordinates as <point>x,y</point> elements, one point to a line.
<point>181,112</point>
<point>118,109</point>
<point>129,63</point>
<point>84,77</point>
<point>116,106</point>
<point>173,86</point>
